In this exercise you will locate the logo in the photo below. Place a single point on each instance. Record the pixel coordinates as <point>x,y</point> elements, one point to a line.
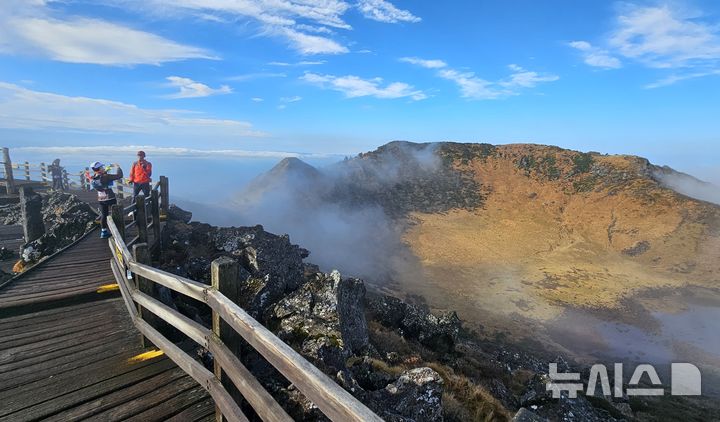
<point>685,380</point>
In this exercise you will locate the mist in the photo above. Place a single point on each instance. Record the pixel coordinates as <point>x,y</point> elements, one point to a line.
<point>320,210</point>
<point>689,185</point>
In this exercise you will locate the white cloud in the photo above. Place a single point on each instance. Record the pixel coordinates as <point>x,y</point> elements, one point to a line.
<point>525,78</point>
<point>257,99</point>
<point>165,151</point>
<point>252,76</point>
<point>191,89</point>
<point>663,37</point>
<point>310,44</point>
<point>315,29</point>
<point>306,24</point>
<point>293,99</point>
<point>660,37</point>
<point>476,88</point>
<point>22,108</point>
<point>384,11</point>
<point>300,63</point>
<point>354,87</point>
<point>596,57</point>
<point>429,64</point>
<point>471,86</point>
<point>26,29</point>
<point>669,80</point>
<point>300,22</point>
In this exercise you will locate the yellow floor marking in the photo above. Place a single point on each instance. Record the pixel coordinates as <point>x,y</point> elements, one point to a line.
<point>146,356</point>
<point>108,288</point>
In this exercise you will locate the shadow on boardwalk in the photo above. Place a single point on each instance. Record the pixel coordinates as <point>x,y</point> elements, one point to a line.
<point>69,351</point>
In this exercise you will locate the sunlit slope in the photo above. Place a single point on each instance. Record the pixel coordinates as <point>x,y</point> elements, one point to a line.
<point>558,227</point>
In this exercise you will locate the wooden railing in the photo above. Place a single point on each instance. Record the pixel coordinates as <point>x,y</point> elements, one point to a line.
<point>228,321</point>
<point>41,172</point>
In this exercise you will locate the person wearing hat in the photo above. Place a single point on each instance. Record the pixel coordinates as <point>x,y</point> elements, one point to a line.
<point>140,175</point>
<point>102,182</point>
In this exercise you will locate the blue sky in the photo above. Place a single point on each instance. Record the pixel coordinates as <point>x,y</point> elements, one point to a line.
<point>344,76</point>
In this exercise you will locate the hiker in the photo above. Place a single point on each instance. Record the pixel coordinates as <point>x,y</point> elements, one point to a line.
<point>140,175</point>
<point>56,172</point>
<point>102,182</point>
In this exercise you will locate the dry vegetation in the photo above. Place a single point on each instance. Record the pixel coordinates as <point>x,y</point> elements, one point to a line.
<point>560,229</point>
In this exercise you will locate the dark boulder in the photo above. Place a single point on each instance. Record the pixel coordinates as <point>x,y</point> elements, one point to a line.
<point>437,332</point>
<point>69,219</point>
<point>325,319</point>
<point>416,396</point>
<point>178,214</point>
<point>525,415</point>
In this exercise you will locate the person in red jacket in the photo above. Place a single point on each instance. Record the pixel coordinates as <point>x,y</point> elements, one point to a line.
<point>140,175</point>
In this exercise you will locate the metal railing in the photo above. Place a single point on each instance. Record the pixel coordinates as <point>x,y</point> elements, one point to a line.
<point>41,173</point>
<point>336,403</point>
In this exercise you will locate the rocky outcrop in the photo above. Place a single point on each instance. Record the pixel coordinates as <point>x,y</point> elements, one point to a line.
<point>415,396</point>
<point>67,219</point>
<point>437,332</point>
<point>325,319</point>
<point>321,315</point>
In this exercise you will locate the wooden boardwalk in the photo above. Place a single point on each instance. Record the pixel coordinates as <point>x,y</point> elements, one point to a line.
<point>80,271</point>
<point>69,350</point>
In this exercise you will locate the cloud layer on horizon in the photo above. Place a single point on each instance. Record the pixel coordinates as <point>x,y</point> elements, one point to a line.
<point>22,108</point>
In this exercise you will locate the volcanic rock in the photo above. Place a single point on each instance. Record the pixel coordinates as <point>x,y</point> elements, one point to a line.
<point>325,319</point>
<point>415,396</point>
<point>438,332</point>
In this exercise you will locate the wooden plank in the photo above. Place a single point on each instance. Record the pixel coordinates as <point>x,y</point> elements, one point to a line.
<point>197,411</point>
<point>124,289</point>
<point>187,326</point>
<point>116,225</point>
<point>179,284</point>
<point>155,214</point>
<point>113,393</point>
<point>38,318</point>
<point>224,276</point>
<point>205,378</point>
<point>26,339</point>
<point>108,325</point>
<point>262,402</point>
<point>172,406</point>
<point>141,219</point>
<point>69,346</point>
<point>103,385</point>
<point>59,382</point>
<point>64,364</point>
<point>56,296</point>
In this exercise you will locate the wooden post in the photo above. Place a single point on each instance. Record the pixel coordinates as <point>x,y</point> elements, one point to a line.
<point>66,182</point>
<point>27,171</point>
<point>43,173</point>
<point>142,255</point>
<point>155,214</point>
<point>116,213</point>
<point>120,192</point>
<point>9,180</point>
<point>164,195</point>
<point>224,276</point>
<point>31,214</point>
<point>141,219</point>
<point>87,184</point>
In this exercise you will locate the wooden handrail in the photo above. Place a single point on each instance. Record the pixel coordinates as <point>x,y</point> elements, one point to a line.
<point>336,403</point>
<point>246,383</point>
